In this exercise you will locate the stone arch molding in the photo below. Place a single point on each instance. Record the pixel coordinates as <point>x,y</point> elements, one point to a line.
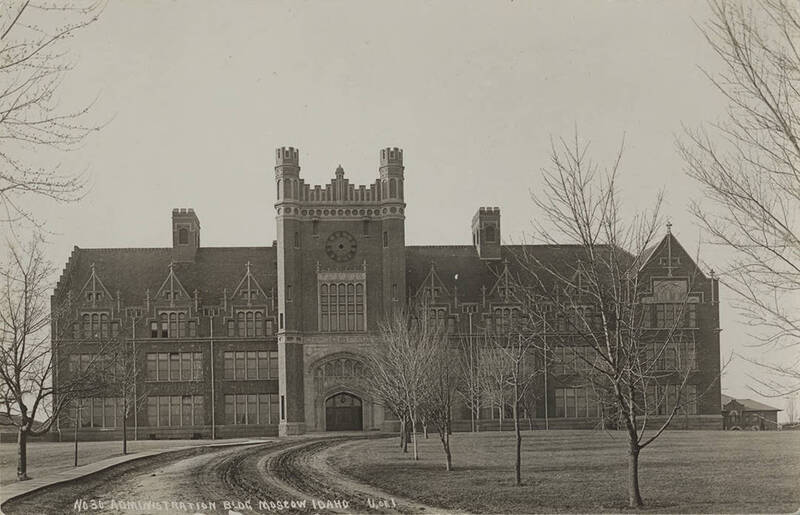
<point>341,372</point>
<point>340,366</point>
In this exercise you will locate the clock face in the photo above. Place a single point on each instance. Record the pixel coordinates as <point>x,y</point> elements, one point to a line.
<point>341,246</point>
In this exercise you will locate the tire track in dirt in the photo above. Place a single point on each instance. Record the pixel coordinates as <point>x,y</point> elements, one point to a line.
<point>274,473</point>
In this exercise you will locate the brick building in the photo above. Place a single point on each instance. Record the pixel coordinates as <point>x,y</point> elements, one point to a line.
<point>266,340</point>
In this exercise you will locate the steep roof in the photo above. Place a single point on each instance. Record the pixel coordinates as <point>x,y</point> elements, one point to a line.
<point>749,404</point>
<point>459,267</point>
<point>132,271</point>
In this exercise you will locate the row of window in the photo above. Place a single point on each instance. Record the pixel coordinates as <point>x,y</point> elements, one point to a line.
<point>669,315</point>
<point>95,325</point>
<point>93,412</point>
<point>248,365</point>
<point>174,366</point>
<point>188,366</point>
<point>660,400</point>
<point>251,409</point>
<point>172,411</point>
<point>673,356</point>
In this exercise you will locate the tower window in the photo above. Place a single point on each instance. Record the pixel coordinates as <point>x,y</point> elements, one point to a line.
<point>296,240</point>
<point>315,227</point>
<point>385,239</point>
<point>341,307</point>
<point>490,233</point>
<point>183,236</point>
<point>365,228</point>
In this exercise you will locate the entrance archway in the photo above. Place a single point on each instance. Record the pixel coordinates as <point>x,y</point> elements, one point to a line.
<point>343,413</point>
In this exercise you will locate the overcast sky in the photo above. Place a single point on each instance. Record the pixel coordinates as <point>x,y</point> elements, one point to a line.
<point>199,93</point>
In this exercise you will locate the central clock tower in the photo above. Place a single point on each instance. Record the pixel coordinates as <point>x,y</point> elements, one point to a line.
<point>341,268</point>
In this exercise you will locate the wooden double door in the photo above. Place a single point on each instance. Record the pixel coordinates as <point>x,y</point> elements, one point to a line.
<point>343,412</point>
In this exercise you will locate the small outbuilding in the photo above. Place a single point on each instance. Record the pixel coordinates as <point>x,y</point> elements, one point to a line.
<point>747,414</point>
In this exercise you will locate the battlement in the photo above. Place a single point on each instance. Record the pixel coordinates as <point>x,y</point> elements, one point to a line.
<point>391,156</point>
<point>184,212</point>
<point>486,212</point>
<point>287,156</point>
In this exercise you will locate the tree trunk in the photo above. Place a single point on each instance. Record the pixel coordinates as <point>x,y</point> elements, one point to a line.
<point>472,416</point>
<point>634,496</point>
<point>425,430</point>
<point>446,446</point>
<point>22,455</point>
<point>500,412</point>
<point>77,424</point>
<point>518,463</point>
<point>402,434</point>
<point>414,436</point>
<point>124,433</point>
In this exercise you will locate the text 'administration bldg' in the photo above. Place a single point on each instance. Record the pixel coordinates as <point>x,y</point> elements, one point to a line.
<point>266,340</point>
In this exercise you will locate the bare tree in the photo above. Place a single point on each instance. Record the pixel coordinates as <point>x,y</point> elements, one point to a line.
<point>440,387</point>
<point>29,356</point>
<point>124,380</point>
<point>495,376</point>
<point>470,384</point>
<point>515,355</point>
<point>34,126</point>
<point>596,299</point>
<point>749,167</point>
<point>400,364</point>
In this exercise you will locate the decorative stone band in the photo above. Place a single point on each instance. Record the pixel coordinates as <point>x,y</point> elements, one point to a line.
<point>347,276</point>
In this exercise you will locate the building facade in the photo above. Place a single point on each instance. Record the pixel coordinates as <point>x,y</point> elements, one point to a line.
<point>233,341</point>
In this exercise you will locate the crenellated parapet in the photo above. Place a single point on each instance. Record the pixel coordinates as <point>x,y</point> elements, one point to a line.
<point>339,197</point>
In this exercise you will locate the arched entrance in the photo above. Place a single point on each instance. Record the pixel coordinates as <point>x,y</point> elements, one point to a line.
<point>343,413</point>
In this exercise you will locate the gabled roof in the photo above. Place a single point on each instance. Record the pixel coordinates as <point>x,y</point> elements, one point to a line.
<point>748,404</point>
<point>134,271</point>
<point>459,267</point>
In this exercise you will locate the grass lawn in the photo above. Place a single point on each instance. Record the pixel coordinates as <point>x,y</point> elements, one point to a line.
<point>585,471</point>
<point>45,458</point>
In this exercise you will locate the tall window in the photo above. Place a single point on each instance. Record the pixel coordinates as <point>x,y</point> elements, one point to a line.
<point>183,236</point>
<point>101,412</point>
<point>669,315</point>
<point>174,366</point>
<point>95,325</point>
<point>662,399</point>
<point>175,411</point>
<point>675,355</point>
<point>341,307</point>
<point>249,323</point>
<point>576,403</point>
<point>173,324</point>
<point>248,365</point>
<point>251,409</point>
